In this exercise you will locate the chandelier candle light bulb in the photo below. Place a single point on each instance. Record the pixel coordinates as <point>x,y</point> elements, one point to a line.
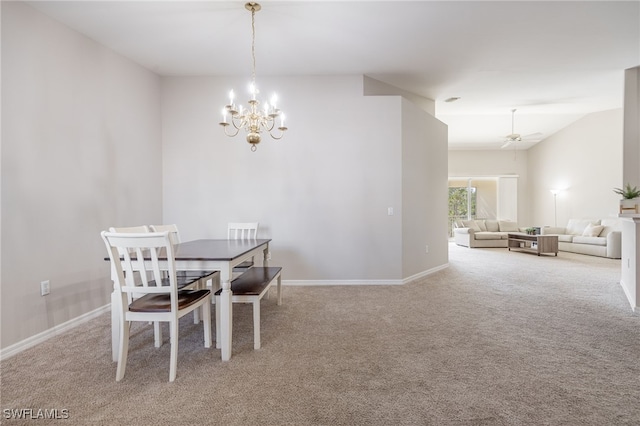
<point>253,121</point>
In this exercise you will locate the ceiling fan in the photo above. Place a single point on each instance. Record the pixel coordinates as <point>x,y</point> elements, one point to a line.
<point>517,137</point>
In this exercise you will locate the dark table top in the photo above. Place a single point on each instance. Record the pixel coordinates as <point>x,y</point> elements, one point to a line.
<point>209,249</point>
<point>216,249</point>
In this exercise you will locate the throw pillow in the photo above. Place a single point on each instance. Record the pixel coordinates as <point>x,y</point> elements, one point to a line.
<point>577,226</point>
<point>492,225</point>
<point>481,224</point>
<point>508,226</point>
<point>471,224</point>
<point>592,230</point>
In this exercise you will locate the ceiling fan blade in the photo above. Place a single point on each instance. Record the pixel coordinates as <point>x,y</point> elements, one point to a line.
<point>533,137</point>
<point>516,137</point>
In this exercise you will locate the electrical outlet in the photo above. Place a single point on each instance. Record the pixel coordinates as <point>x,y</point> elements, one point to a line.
<point>45,288</point>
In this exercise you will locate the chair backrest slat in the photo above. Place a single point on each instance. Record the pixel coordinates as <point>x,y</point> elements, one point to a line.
<point>242,231</point>
<point>174,235</point>
<point>130,276</point>
<point>140,253</point>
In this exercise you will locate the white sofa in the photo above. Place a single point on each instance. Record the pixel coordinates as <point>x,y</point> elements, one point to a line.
<point>599,237</point>
<point>483,233</point>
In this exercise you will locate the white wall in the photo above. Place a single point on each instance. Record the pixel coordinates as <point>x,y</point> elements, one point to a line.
<point>322,192</point>
<point>631,132</point>
<point>424,191</point>
<point>504,162</point>
<point>373,87</point>
<point>79,125</point>
<point>630,279</point>
<point>585,160</point>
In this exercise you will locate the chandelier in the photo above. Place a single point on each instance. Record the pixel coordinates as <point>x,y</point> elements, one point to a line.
<point>252,119</point>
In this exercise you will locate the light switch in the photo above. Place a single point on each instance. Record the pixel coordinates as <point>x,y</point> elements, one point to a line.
<point>390,211</point>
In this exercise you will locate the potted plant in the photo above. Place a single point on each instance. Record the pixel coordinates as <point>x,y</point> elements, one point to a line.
<point>530,231</point>
<point>629,197</point>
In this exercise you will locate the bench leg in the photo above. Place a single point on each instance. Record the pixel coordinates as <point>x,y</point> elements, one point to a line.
<point>256,324</point>
<point>206,323</point>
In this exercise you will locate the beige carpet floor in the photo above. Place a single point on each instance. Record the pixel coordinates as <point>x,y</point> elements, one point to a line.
<point>498,338</point>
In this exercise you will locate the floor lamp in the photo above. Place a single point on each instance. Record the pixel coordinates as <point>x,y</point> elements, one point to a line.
<point>555,193</point>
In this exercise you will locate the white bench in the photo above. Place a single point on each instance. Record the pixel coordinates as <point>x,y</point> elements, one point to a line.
<point>250,287</point>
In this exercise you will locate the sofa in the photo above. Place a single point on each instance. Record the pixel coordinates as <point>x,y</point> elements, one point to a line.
<point>595,237</point>
<point>483,233</point>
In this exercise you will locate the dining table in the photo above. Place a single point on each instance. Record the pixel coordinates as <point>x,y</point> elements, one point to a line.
<point>207,255</point>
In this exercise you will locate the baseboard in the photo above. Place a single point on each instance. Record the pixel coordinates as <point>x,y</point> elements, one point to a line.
<point>634,308</point>
<point>425,273</point>
<point>363,282</point>
<point>16,348</point>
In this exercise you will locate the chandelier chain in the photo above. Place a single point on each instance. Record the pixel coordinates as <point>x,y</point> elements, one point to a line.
<point>253,45</point>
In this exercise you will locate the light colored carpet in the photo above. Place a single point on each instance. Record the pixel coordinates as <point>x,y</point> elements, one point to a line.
<point>498,338</point>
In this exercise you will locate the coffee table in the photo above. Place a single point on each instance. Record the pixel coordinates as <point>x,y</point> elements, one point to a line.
<point>538,244</point>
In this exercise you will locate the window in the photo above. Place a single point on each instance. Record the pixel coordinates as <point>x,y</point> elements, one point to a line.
<point>462,204</point>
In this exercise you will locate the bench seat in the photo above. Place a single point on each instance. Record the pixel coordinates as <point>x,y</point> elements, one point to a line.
<point>250,287</point>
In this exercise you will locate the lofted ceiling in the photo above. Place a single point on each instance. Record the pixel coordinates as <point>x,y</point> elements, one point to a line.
<point>552,61</point>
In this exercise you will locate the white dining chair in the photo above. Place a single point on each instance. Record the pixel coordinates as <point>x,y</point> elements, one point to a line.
<point>160,299</point>
<point>130,229</point>
<point>213,277</point>
<point>172,229</point>
<point>242,231</point>
<point>157,331</point>
<point>184,282</point>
